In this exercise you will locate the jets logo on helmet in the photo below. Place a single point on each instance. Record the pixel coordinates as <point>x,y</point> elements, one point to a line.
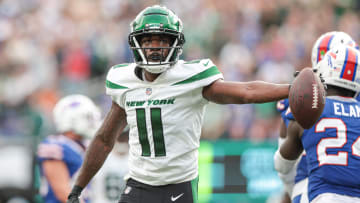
<point>340,68</point>
<point>156,20</point>
<point>328,41</point>
<point>77,113</point>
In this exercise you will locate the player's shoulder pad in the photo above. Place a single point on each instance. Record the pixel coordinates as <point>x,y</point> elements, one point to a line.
<point>118,76</point>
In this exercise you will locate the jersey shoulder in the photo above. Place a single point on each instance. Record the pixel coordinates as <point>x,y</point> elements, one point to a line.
<point>200,70</point>
<point>50,149</point>
<point>121,76</point>
<point>59,147</point>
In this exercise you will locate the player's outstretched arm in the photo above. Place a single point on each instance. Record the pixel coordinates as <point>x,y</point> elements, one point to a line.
<point>100,147</point>
<point>223,92</point>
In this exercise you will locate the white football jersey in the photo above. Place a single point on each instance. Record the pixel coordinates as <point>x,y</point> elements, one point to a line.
<point>164,117</point>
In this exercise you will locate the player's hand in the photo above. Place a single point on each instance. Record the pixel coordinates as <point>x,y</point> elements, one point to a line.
<point>74,195</point>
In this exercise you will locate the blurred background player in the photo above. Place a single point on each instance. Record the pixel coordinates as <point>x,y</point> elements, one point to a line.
<point>332,145</point>
<point>295,182</point>
<point>109,182</point>
<point>76,119</point>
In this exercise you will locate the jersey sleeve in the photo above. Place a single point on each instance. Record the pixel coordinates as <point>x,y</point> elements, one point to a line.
<point>50,151</point>
<point>114,86</point>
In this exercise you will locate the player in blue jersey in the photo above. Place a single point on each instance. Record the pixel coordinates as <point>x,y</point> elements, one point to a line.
<point>332,145</point>
<point>60,156</point>
<point>295,183</point>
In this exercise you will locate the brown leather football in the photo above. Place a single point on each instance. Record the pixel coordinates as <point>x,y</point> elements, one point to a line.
<point>307,98</point>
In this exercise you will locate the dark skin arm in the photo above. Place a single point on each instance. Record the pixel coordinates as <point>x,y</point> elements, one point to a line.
<point>283,129</point>
<point>292,148</point>
<point>223,92</point>
<point>102,144</point>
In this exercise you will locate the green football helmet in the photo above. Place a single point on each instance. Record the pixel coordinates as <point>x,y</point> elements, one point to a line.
<point>156,20</point>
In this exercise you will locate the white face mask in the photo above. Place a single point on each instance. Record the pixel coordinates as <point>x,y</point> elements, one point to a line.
<point>121,148</point>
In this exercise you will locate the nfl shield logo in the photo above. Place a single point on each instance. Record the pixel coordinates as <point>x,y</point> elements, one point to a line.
<point>148,91</point>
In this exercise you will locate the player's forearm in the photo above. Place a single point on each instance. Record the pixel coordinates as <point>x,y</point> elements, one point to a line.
<point>249,92</point>
<point>260,92</point>
<point>102,144</point>
<point>95,156</point>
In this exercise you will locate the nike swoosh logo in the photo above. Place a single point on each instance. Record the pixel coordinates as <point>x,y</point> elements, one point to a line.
<point>173,199</point>
<point>205,64</point>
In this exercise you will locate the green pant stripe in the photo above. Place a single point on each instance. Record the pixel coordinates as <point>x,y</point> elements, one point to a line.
<point>194,188</point>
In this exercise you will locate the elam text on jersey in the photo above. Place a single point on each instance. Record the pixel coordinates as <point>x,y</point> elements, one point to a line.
<point>351,111</point>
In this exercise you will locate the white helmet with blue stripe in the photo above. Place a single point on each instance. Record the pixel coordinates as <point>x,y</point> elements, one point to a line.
<point>77,113</point>
<point>328,41</point>
<point>340,68</point>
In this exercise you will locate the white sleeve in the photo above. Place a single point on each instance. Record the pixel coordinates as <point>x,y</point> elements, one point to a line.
<point>286,171</point>
<point>281,164</point>
<point>288,180</point>
<point>114,88</point>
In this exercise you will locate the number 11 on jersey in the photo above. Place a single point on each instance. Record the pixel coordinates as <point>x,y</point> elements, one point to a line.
<point>157,132</point>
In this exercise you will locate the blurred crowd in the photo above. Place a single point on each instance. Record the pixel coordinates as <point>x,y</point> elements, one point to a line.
<point>51,48</point>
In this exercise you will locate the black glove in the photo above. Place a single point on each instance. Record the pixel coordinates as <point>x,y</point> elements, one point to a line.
<point>74,195</point>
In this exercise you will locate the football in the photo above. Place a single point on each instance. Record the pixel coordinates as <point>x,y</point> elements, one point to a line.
<point>307,98</point>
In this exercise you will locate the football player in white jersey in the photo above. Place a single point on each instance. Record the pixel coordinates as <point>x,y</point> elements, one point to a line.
<point>163,99</point>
